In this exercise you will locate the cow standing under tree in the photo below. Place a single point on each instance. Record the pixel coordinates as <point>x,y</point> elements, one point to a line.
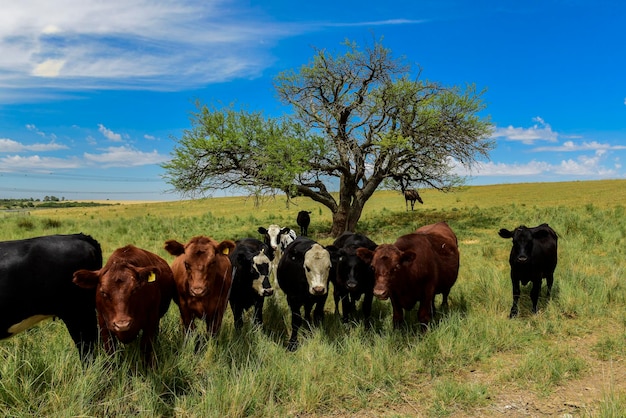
<point>533,257</point>
<point>36,283</point>
<point>133,292</point>
<point>203,275</point>
<point>414,269</point>
<point>304,220</point>
<point>411,195</point>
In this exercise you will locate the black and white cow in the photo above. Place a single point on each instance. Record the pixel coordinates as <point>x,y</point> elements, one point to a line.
<point>251,269</point>
<point>533,257</point>
<point>277,239</point>
<point>354,277</point>
<point>36,283</point>
<point>303,273</point>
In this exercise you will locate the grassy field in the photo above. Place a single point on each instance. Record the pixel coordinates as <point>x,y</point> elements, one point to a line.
<point>568,360</point>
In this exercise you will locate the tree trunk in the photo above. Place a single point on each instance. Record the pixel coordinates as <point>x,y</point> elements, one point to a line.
<point>346,218</point>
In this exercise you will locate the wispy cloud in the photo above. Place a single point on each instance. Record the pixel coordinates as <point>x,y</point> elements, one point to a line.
<point>11,146</point>
<point>124,156</point>
<point>36,163</point>
<point>570,146</point>
<point>540,131</point>
<point>131,43</point>
<point>109,134</point>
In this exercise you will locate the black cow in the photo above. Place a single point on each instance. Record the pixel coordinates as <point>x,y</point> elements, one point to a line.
<point>36,283</point>
<point>303,273</point>
<point>251,284</point>
<point>354,276</point>
<point>304,220</point>
<point>533,257</point>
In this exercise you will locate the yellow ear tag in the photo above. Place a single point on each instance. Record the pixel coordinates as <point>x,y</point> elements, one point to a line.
<point>225,251</point>
<point>152,277</point>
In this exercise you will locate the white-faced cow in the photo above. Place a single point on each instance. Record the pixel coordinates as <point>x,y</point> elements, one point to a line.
<point>277,239</point>
<point>303,274</point>
<point>36,283</point>
<point>533,257</point>
<point>304,220</point>
<point>203,275</point>
<point>133,291</point>
<point>414,269</point>
<point>354,276</point>
<point>251,269</point>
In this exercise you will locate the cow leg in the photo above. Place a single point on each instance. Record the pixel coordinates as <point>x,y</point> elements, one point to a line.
<point>296,322</point>
<point>398,314</point>
<point>146,344</point>
<point>516,293</point>
<point>84,333</point>
<point>549,281</point>
<point>237,315</point>
<point>425,312</point>
<point>318,314</point>
<point>258,311</point>
<point>534,294</point>
<point>444,302</point>
<point>348,307</point>
<point>367,308</point>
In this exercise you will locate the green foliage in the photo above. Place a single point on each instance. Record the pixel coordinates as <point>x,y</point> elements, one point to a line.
<point>473,358</point>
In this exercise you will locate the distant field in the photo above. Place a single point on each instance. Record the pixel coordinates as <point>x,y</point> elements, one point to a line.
<point>568,360</point>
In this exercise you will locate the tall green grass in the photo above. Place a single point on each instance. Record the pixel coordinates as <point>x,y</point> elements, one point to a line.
<point>472,358</point>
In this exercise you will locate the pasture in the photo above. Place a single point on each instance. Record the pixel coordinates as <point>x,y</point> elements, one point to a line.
<point>568,360</point>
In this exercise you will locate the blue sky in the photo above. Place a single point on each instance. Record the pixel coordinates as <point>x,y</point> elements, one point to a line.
<point>92,93</point>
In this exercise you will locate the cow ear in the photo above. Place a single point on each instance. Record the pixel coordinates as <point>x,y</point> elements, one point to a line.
<point>147,274</point>
<point>225,247</point>
<point>365,254</point>
<point>285,230</point>
<point>505,233</point>
<point>407,257</point>
<point>262,230</point>
<point>174,247</point>
<point>86,279</point>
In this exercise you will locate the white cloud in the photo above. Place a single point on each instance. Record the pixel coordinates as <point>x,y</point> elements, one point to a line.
<point>585,166</point>
<point>35,163</point>
<point>109,134</point>
<point>125,157</point>
<point>9,145</point>
<point>149,137</point>
<point>138,44</point>
<point>570,146</point>
<point>541,131</point>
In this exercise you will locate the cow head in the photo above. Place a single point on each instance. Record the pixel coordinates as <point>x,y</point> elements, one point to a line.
<point>316,268</point>
<point>261,270</point>
<point>118,298</point>
<point>523,238</point>
<point>386,260</point>
<point>351,270</point>
<point>199,257</point>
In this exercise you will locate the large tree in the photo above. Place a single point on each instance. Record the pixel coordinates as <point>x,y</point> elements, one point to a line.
<point>358,120</point>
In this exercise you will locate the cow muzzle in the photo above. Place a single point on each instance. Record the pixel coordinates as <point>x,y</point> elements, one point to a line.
<point>522,259</point>
<point>122,325</point>
<point>381,294</point>
<point>317,290</point>
<point>197,291</point>
<point>268,292</point>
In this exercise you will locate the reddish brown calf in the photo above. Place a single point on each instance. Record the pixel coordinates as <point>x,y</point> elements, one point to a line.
<point>133,292</point>
<point>414,269</point>
<point>203,275</point>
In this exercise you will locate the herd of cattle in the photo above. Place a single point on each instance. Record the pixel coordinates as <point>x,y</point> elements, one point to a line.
<point>63,276</point>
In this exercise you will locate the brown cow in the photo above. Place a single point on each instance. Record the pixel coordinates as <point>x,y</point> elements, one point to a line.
<point>133,292</point>
<point>203,275</point>
<point>415,268</point>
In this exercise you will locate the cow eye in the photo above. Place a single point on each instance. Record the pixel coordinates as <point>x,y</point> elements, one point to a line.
<point>187,266</point>
<point>105,295</point>
<point>307,268</point>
